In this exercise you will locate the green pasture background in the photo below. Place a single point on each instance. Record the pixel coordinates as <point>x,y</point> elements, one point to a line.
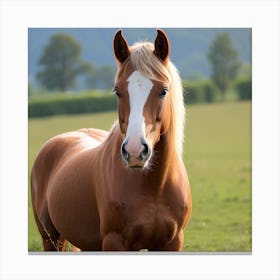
<point>217,155</point>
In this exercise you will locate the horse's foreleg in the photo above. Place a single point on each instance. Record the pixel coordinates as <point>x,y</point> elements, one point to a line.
<point>175,244</point>
<point>113,242</point>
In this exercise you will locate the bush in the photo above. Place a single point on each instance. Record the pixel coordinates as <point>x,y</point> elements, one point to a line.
<point>62,105</point>
<point>200,91</point>
<point>243,87</point>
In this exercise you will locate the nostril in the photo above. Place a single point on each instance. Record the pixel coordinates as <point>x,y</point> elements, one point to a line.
<point>145,152</point>
<point>125,154</point>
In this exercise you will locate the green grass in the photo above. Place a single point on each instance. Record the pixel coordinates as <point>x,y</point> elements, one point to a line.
<point>217,154</point>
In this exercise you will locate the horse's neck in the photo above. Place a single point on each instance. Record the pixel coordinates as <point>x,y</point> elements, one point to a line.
<point>165,159</point>
<point>163,162</point>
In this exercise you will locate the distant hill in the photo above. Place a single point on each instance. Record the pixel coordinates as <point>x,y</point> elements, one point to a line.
<point>189,45</point>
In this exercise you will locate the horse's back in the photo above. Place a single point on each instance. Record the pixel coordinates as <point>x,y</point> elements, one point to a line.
<point>53,156</point>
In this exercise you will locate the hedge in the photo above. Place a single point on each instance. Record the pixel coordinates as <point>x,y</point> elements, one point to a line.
<point>200,91</point>
<point>50,106</point>
<point>243,87</point>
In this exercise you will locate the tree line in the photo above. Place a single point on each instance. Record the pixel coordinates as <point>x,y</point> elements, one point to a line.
<point>61,65</point>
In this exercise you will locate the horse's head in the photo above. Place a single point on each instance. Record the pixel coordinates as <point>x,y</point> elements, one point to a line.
<point>142,85</point>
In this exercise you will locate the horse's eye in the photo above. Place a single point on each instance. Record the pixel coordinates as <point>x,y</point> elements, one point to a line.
<point>116,92</point>
<point>164,92</point>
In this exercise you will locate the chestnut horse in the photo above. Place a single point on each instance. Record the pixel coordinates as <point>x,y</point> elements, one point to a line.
<point>126,189</point>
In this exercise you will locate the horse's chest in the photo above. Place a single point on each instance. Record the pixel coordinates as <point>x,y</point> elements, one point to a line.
<point>150,227</point>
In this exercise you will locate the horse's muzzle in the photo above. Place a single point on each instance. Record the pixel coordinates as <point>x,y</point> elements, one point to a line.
<point>135,156</point>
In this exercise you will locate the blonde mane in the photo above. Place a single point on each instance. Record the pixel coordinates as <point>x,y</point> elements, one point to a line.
<point>142,58</point>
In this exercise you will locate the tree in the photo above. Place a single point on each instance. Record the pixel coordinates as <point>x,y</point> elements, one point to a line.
<point>62,63</point>
<point>224,60</point>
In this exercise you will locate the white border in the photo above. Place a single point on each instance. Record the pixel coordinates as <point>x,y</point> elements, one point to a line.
<point>17,16</point>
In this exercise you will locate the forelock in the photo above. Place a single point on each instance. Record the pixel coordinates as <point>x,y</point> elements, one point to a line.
<point>143,59</point>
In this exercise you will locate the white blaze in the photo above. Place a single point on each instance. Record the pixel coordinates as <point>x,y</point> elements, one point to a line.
<point>139,88</point>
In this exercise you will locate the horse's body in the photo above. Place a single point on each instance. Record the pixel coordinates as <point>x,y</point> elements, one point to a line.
<point>85,191</point>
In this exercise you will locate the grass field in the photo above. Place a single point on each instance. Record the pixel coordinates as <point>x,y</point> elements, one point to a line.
<point>217,154</point>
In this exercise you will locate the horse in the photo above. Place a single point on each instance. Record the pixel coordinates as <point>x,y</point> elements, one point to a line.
<point>126,189</point>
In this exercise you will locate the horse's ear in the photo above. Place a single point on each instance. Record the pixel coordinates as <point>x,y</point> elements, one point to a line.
<point>121,47</point>
<point>162,46</point>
